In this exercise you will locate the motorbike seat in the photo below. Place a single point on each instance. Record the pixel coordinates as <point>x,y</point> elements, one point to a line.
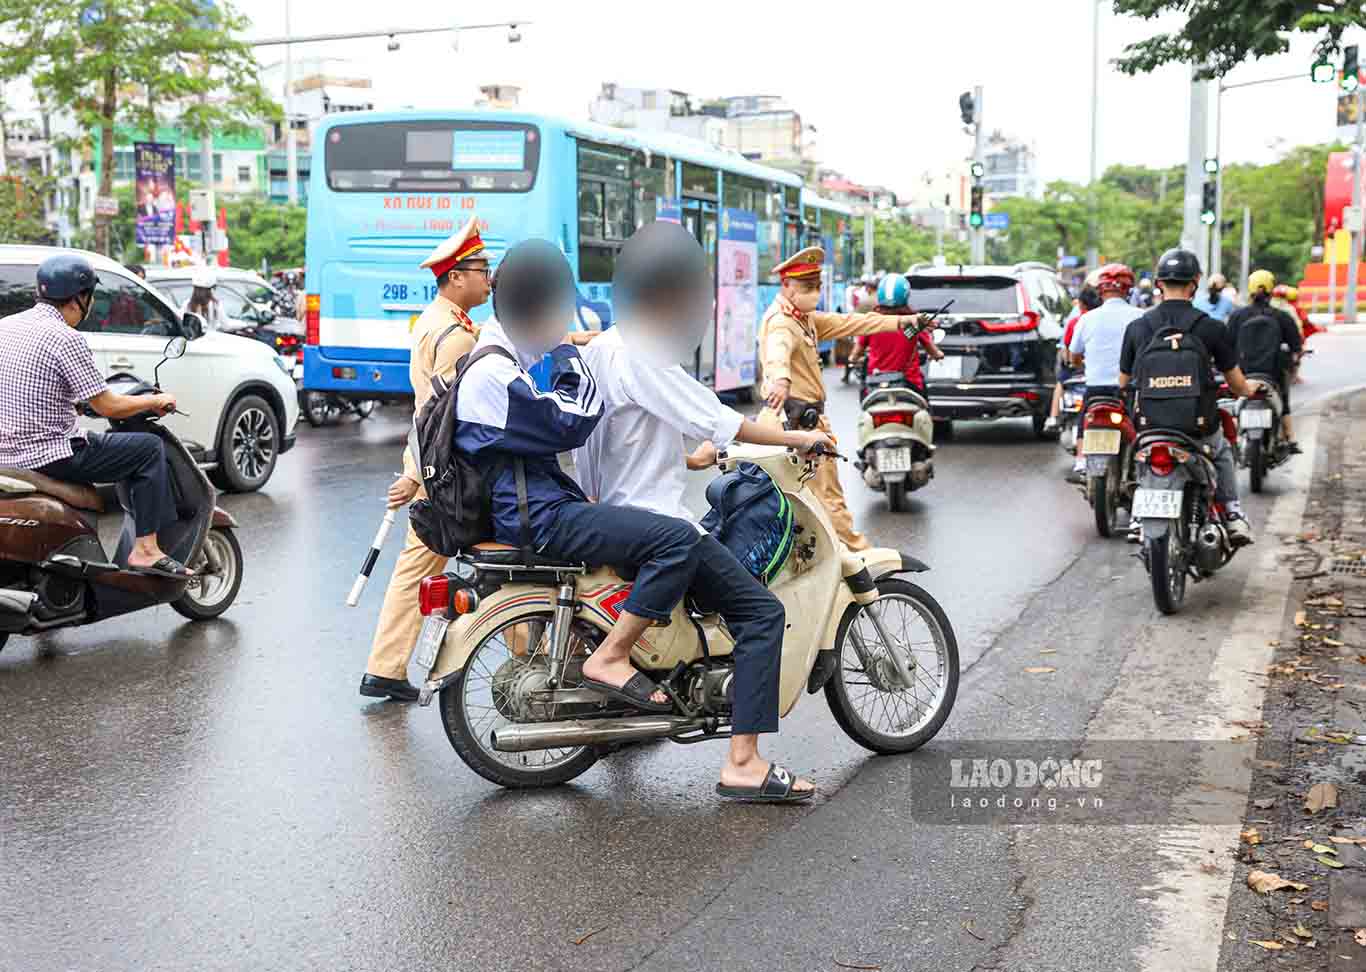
<point>508,555</point>
<point>72,494</point>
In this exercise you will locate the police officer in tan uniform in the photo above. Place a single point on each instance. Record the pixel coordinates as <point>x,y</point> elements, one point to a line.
<point>788,338</point>
<point>441,336</point>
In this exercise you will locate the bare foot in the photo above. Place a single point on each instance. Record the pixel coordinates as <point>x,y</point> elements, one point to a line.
<point>616,674</point>
<point>752,773</point>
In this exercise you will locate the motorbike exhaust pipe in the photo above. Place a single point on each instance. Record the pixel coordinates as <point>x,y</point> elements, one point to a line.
<point>525,737</point>
<point>1209,547</point>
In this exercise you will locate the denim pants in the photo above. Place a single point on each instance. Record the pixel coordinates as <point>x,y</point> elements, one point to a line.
<point>135,458</point>
<point>671,558</point>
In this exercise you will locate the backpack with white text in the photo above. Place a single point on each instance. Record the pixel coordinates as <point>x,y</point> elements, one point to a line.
<point>1173,383</point>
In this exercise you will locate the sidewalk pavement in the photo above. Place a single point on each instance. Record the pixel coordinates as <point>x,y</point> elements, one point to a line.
<point>1306,818</point>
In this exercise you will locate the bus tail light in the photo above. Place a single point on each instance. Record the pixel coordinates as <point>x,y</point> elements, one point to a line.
<point>312,314</point>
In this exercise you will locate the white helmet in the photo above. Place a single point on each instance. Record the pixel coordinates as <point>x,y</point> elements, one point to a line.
<point>204,277</point>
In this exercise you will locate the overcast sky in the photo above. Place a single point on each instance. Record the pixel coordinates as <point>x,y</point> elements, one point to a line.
<point>881,85</point>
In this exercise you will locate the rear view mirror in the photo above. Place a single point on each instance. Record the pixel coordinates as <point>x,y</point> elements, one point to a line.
<point>175,348</point>
<point>194,325</point>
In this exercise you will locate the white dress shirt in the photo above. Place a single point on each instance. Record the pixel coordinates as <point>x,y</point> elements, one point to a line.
<point>636,455</point>
<point>1099,335</point>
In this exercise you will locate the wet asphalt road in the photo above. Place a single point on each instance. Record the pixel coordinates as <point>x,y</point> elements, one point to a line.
<point>216,796</point>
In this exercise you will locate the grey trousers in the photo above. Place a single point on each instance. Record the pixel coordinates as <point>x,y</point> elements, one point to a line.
<point>1227,489</point>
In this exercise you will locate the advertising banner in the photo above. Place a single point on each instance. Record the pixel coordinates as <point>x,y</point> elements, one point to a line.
<point>737,300</point>
<point>154,174</point>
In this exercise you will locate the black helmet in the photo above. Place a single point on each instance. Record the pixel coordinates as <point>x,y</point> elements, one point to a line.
<point>63,276</point>
<point>1179,266</point>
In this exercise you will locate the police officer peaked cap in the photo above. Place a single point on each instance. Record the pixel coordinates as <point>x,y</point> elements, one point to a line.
<point>1179,266</point>
<point>65,275</point>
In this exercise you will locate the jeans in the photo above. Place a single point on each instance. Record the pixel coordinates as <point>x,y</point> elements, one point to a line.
<point>672,558</point>
<point>1226,491</point>
<point>135,458</point>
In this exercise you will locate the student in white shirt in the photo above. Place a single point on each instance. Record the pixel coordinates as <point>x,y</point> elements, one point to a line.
<point>636,457</point>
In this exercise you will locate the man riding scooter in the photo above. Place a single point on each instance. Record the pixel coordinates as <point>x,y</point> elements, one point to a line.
<point>46,371</point>
<point>1098,339</point>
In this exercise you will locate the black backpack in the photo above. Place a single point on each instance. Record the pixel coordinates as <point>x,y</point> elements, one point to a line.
<point>1174,386</point>
<point>1259,344</point>
<point>752,518</point>
<point>457,512</point>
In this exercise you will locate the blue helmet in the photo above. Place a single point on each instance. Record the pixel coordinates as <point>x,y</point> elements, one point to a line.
<point>63,276</point>
<point>894,291</point>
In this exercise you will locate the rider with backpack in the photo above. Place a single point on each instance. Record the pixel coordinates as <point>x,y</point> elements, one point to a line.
<point>1169,357</point>
<point>1260,331</point>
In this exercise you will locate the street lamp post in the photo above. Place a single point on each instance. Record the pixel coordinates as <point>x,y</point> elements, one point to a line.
<point>1092,229</point>
<point>291,145</point>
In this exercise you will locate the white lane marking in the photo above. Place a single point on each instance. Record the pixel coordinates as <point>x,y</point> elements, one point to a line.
<point>1196,866</point>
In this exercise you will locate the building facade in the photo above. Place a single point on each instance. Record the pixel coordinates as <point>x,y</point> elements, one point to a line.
<point>1011,167</point>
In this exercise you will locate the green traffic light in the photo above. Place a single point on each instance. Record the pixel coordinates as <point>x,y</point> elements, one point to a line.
<point>975,220</point>
<point>1322,72</point>
<point>1207,218</point>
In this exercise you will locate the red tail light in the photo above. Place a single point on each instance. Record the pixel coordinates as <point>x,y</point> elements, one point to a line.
<point>1029,320</point>
<point>1100,417</point>
<point>434,595</point>
<point>1161,460</point>
<point>1028,396</point>
<point>893,418</point>
<point>313,305</point>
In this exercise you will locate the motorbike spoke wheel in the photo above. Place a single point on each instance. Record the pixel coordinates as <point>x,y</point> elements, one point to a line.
<point>1167,569</point>
<point>1105,502</point>
<point>896,496</point>
<point>866,696</point>
<point>1256,464</point>
<point>219,570</point>
<point>498,687</point>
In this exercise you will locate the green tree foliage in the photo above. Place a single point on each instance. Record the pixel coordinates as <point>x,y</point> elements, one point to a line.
<point>259,230</point>
<point>1221,34</point>
<point>22,192</point>
<point>112,60</point>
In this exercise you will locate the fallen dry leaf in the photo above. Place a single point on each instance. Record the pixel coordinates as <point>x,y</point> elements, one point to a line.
<point>1048,651</point>
<point>967,927</point>
<point>1360,936</point>
<point>1319,905</point>
<point>1302,931</point>
<point>1264,882</point>
<point>1323,849</point>
<point>1250,836</point>
<point>1328,861</point>
<point>1337,839</point>
<point>1321,796</point>
<point>580,941</point>
<point>1264,804</point>
<point>1269,946</point>
<point>846,965</point>
<point>1040,669</point>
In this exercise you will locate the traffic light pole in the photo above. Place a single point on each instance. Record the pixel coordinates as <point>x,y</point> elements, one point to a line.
<point>1350,311</point>
<point>979,234</point>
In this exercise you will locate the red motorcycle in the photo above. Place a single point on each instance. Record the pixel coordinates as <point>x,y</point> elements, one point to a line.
<point>1107,443</point>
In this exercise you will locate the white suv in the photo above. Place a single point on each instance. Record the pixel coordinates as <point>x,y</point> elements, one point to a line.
<point>239,399</point>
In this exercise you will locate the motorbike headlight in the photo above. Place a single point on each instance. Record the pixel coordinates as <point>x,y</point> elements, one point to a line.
<point>284,366</point>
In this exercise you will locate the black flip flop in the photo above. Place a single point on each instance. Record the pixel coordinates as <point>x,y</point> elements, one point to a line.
<point>635,693</point>
<point>777,788</point>
<point>167,567</point>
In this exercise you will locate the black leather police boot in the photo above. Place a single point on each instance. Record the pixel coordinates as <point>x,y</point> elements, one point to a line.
<point>398,689</point>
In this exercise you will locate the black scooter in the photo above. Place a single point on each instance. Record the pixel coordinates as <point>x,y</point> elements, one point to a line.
<point>55,573</point>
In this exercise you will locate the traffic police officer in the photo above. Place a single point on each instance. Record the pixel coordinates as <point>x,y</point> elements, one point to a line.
<point>789,336</point>
<point>441,336</point>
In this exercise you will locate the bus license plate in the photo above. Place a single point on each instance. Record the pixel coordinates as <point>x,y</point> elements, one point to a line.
<point>1158,504</point>
<point>1256,418</point>
<point>429,641</point>
<point>894,460</point>
<point>1100,442</point>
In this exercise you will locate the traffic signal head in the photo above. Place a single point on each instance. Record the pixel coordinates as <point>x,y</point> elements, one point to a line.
<point>967,108</point>
<point>1212,166</point>
<point>1350,69</point>
<point>978,170</point>
<point>1208,203</point>
<point>1322,72</point>
<point>975,210</point>
<point>975,220</point>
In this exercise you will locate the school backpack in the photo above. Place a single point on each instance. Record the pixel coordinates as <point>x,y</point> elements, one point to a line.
<point>752,518</point>
<point>1259,344</point>
<point>1173,379</point>
<point>457,512</point>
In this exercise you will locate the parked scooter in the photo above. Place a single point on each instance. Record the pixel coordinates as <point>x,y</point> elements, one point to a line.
<point>1107,442</point>
<point>55,573</point>
<point>895,438</point>
<point>1260,446</point>
<point>1069,413</point>
<point>324,408</point>
<point>1183,527</point>
<point>504,639</point>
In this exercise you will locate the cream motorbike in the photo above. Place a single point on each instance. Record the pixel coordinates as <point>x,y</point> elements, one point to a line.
<point>895,438</point>
<point>503,643</point>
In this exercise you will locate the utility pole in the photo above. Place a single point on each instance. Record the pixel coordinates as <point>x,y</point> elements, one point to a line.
<point>1216,244</point>
<point>1247,252</point>
<point>291,146</point>
<point>1092,229</point>
<point>1192,230</point>
<point>979,234</point>
<point>1350,311</point>
<point>867,244</point>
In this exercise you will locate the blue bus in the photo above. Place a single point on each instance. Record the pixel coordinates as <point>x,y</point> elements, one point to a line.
<point>390,185</point>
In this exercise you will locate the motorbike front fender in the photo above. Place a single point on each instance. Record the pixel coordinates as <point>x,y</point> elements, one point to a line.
<point>1156,529</point>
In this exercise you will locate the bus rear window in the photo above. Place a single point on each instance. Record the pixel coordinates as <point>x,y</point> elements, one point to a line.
<point>441,156</point>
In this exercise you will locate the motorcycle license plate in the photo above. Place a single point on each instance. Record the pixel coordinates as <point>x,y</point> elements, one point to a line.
<point>949,369</point>
<point>894,460</point>
<point>1158,504</point>
<point>1100,442</point>
<point>1256,418</point>
<point>429,641</point>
